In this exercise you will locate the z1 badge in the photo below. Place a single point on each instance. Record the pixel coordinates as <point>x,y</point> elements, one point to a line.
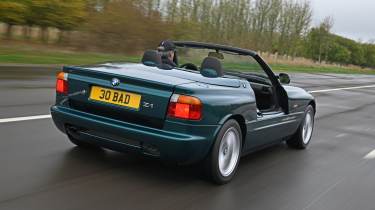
<point>148,105</point>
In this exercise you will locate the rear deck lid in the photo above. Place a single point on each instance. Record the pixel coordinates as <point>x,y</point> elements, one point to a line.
<point>130,94</point>
<point>173,76</point>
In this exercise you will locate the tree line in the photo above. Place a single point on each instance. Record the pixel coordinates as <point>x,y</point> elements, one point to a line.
<point>276,26</point>
<point>321,45</point>
<point>65,15</point>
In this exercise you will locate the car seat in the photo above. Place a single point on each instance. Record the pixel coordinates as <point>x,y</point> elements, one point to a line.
<point>211,67</point>
<point>151,58</point>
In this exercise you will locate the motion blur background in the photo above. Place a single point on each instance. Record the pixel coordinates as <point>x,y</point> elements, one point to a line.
<point>283,31</point>
<point>41,170</point>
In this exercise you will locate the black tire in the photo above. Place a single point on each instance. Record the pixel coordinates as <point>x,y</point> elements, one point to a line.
<point>212,161</point>
<point>297,140</point>
<point>82,144</point>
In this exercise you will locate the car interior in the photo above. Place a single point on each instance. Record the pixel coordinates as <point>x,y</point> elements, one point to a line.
<point>264,92</point>
<point>212,67</point>
<point>263,89</point>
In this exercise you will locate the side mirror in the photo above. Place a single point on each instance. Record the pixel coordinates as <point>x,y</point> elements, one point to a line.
<point>284,78</point>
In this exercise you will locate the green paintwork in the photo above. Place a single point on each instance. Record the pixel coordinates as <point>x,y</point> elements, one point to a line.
<point>178,140</point>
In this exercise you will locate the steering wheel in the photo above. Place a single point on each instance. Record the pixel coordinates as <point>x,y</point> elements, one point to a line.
<point>190,66</point>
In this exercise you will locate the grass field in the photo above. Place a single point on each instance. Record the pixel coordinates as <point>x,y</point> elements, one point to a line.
<point>36,55</point>
<point>320,69</point>
<point>42,56</point>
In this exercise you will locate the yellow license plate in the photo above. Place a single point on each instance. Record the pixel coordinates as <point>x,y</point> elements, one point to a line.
<point>116,97</point>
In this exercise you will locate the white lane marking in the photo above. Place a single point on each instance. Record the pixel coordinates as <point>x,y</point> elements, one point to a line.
<point>341,135</point>
<point>370,155</point>
<point>18,119</point>
<point>345,88</point>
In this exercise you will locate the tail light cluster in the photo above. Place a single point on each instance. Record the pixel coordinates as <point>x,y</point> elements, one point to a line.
<point>185,107</point>
<point>62,83</point>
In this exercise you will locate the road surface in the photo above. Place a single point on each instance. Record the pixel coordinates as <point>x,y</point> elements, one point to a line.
<point>40,169</point>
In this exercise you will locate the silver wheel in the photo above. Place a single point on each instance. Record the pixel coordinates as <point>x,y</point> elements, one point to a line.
<point>229,152</point>
<point>307,128</point>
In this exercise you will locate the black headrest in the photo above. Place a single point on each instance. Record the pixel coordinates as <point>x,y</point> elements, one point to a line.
<point>151,58</point>
<point>211,67</point>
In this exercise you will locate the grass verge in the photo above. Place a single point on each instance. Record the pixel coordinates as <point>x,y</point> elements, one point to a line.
<point>35,55</point>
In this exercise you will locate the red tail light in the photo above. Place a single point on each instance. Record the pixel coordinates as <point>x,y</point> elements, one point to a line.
<point>185,107</point>
<point>62,83</point>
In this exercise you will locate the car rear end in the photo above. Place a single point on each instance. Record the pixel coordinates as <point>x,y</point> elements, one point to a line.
<point>132,109</point>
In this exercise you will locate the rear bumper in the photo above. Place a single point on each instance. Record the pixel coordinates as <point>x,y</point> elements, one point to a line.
<point>177,142</point>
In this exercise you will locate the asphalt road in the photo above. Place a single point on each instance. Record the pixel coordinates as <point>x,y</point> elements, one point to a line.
<point>40,169</point>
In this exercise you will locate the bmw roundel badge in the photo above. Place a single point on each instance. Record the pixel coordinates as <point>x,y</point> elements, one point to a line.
<point>115,82</point>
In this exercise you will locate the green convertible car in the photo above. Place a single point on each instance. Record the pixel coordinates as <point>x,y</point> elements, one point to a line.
<point>220,104</point>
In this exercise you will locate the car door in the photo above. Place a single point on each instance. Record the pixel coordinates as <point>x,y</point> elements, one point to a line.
<point>271,127</point>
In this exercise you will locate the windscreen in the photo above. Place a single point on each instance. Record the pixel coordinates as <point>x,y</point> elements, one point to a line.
<point>231,62</point>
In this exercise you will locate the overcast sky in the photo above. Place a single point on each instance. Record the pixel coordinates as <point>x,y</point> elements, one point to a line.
<point>354,19</point>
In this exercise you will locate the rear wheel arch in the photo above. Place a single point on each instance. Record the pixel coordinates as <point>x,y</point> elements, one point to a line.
<point>241,121</point>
